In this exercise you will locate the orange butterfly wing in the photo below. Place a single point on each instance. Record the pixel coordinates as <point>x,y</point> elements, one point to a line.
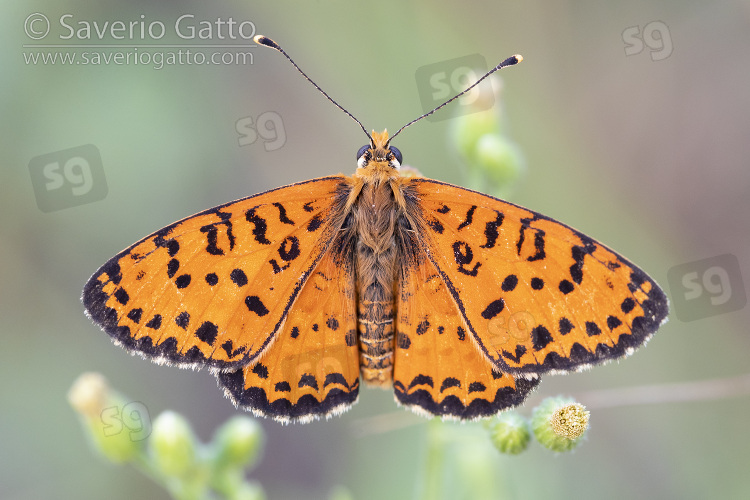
<point>312,368</point>
<point>216,288</point>
<point>536,295</point>
<point>437,368</point>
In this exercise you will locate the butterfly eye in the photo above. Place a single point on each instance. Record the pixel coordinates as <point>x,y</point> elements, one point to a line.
<point>397,154</point>
<point>363,156</point>
<point>362,150</point>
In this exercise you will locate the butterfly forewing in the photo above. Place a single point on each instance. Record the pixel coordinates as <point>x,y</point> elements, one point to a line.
<point>215,288</point>
<point>536,295</point>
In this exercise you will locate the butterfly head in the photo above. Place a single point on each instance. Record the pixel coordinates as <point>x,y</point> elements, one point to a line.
<point>378,152</point>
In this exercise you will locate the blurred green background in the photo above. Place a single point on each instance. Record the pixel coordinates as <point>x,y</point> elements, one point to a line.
<point>646,152</point>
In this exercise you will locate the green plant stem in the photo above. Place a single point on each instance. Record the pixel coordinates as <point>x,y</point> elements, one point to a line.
<point>434,461</point>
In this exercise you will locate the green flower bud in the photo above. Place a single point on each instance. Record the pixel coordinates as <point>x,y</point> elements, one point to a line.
<point>494,163</point>
<point>88,394</point>
<point>239,442</point>
<point>469,128</point>
<point>500,159</point>
<point>559,423</point>
<point>108,418</point>
<point>510,433</point>
<point>247,491</point>
<point>173,445</point>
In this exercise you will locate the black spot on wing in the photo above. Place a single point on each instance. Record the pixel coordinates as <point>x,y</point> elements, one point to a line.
<point>477,387</point>
<point>212,233</point>
<point>315,223</point>
<point>539,235</point>
<point>172,267</point>
<point>259,226</point>
<point>155,322</point>
<point>436,226</point>
<point>627,305</point>
<point>228,347</point>
<point>254,304</point>
<point>539,246</point>
<point>592,329</point>
<point>461,333</point>
<point>493,309</point>
<point>260,370</point>
<point>238,277</point>
<point>421,380</point>
<point>173,246</point>
<point>490,230</point>
<point>565,326</point>
<point>509,283</point>
<point>613,322</point>
<point>183,320</point>
<point>469,218</point>
<point>520,351</point>
<point>289,248</point>
<point>135,315</point>
<point>403,341</point>
<point>282,214</point>
<point>335,378</point>
<point>578,253</point>
<point>463,255</point>
<point>308,380</point>
<point>207,332</point>
<point>450,382</point>
<point>283,387</point>
<point>540,337</point>
<point>121,296</point>
<point>566,287</point>
<point>182,281</point>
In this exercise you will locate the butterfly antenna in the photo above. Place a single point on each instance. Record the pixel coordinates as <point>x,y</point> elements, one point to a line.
<point>264,40</point>
<point>508,62</point>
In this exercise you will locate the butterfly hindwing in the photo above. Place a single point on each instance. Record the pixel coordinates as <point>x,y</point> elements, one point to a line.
<point>536,295</point>
<point>438,368</point>
<point>312,367</point>
<point>215,288</point>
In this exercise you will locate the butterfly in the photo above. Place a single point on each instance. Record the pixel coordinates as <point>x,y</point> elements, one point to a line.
<point>457,300</point>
